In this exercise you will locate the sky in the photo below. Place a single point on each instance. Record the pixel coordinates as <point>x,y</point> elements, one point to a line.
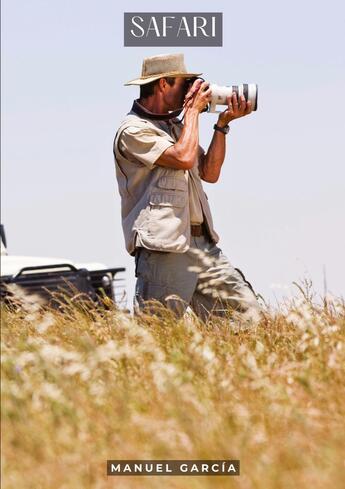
<point>279,204</point>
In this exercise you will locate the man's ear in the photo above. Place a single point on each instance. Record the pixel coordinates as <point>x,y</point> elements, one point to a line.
<point>162,83</point>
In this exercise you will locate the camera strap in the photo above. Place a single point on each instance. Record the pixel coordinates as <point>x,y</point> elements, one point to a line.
<point>147,114</point>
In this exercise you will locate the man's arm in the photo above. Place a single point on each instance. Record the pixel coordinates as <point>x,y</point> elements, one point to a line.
<point>184,152</point>
<point>210,164</point>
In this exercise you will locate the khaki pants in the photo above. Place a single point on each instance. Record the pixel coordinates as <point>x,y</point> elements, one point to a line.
<point>202,278</point>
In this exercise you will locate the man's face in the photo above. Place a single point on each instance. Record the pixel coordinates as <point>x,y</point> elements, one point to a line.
<point>174,95</point>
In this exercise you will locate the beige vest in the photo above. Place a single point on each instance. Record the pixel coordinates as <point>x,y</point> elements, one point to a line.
<point>155,201</point>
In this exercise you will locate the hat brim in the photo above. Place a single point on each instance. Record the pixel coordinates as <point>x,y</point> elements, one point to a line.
<point>172,74</point>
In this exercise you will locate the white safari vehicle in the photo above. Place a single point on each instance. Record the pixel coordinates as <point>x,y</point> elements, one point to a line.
<point>43,277</point>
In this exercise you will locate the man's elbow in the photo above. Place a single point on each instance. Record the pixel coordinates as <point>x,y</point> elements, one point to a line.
<point>185,162</point>
<point>173,159</point>
<point>210,179</point>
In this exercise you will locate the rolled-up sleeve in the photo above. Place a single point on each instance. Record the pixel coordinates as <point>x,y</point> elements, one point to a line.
<point>143,145</point>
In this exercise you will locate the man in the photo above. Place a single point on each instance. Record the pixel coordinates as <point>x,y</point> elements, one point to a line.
<point>166,218</point>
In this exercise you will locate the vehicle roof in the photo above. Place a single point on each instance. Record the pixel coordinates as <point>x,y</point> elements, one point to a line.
<point>11,264</point>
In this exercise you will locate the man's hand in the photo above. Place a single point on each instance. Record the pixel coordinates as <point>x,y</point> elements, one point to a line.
<point>234,110</point>
<point>198,96</point>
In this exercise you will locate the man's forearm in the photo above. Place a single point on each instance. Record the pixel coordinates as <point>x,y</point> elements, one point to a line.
<point>183,154</point>
<point>188,143</point>
<point>211,164</point>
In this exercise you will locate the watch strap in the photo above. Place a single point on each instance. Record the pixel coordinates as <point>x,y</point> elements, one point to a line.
<point>224,129</point>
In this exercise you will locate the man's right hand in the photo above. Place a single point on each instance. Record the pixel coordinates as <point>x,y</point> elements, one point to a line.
<point>198,96</point>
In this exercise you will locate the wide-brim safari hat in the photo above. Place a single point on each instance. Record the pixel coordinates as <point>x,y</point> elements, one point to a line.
<point>161,66</point>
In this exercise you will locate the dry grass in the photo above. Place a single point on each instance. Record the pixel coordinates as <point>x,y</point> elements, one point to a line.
<point>82,386</point>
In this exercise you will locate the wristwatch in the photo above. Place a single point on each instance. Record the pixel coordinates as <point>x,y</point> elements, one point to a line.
<point>224,130</point>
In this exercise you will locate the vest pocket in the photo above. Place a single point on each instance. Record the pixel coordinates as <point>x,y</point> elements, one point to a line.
<point>172,183</point>
<point>167,199</point>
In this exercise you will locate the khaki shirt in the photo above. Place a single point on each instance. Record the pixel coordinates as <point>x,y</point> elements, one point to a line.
<point>153,148</point>
<point>158,203</point>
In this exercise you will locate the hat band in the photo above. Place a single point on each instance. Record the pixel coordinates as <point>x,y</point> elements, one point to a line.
<point>162,75</point>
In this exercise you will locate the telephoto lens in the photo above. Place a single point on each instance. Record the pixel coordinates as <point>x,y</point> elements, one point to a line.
<point>219,94</point>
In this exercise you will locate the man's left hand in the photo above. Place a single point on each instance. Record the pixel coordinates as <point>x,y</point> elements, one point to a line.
<point>234,110</point>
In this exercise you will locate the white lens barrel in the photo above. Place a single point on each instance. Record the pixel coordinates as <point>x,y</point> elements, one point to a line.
<point>253,92</point>
<point>220,93</point>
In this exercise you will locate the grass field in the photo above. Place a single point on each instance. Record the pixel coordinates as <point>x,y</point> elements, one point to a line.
<point>81,386</point>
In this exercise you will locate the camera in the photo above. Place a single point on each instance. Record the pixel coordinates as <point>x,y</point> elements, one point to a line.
<point>219,94</point>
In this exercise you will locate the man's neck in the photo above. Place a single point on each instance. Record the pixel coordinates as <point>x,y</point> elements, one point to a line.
<point>146,113</point>
<point>154,105</point>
